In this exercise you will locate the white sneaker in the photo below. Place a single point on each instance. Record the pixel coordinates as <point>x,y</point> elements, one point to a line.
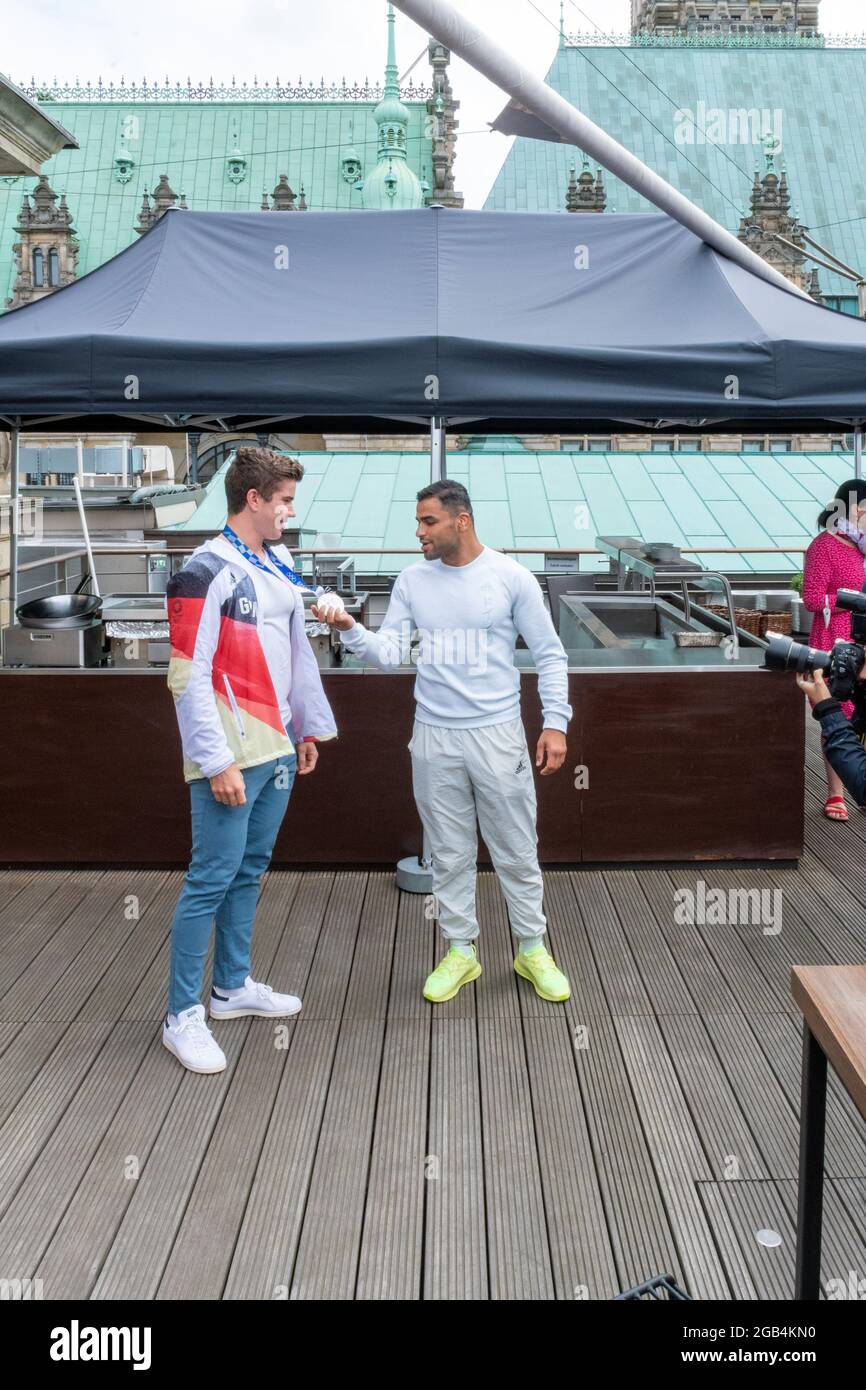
<point>253,998</point>
<point>192,1042</point>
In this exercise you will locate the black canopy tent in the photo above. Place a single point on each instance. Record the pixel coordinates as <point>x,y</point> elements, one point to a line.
<point>573,323</point>
<point>229,320</point>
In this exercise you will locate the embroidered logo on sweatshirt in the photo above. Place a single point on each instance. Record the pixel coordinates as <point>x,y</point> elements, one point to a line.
<point>521,766</point>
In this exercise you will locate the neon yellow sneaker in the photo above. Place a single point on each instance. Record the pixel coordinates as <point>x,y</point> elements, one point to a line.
<point>453,972</point>
<point>541,969</point>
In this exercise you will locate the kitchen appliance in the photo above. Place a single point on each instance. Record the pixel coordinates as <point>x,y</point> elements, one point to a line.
<point>137,629</point>
<point>54,646</point>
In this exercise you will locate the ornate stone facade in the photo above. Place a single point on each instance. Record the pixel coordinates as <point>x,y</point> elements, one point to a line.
<point>46,250</point>
<point>585,193</point>
<point>443,108</point>
<point>769,218</point>
<point>283,198</point>
<point>164,197</point>
<point>726,16</point>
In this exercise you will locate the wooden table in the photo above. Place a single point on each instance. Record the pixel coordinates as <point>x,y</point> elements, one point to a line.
<point>833,1001</point>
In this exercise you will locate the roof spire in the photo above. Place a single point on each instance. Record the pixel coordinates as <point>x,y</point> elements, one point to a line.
<point>392,72</point>
<point>562,23</point>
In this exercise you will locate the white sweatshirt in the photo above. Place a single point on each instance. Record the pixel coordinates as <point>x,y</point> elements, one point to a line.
<point>468,618</point>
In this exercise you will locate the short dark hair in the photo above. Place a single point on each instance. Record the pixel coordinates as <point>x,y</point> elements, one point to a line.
<point>452,495</point>
<point>263,469</point>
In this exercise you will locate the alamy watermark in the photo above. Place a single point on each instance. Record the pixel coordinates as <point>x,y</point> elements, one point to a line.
<point>734,125</point>
<point>717,907</point>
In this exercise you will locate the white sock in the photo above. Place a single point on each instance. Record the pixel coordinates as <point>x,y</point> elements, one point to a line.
<point>529,944</point>
<point>230,993</point>
<point>465,948</point>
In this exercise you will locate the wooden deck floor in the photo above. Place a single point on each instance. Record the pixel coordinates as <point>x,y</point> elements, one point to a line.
<point>496,1147</point>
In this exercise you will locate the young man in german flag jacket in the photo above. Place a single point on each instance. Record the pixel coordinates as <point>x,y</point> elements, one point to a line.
<point>245,682</point>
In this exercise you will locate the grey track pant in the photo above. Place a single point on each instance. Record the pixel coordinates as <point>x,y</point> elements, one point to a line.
<point>459,775</point>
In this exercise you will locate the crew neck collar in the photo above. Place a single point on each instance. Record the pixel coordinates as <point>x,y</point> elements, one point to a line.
<point>468,566</point>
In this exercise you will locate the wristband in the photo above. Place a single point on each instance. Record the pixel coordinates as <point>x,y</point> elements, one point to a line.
<point>309,739</point>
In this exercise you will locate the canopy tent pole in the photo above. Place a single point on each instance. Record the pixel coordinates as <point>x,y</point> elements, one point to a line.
<point>437,449</point>
<point>13,529</point>
<point>476,48</point>
<point>858,451</point>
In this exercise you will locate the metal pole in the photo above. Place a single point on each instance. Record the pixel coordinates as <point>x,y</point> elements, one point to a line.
<point>861,298</point>
<point>446,24</point>
<point>858,452</point>
<point>94,582</point>
<point>438,467</point>
<point>13,530</point>
<point>810,1188</point>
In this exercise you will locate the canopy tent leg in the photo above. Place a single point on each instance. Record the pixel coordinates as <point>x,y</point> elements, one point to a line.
<point>858,452</point>
<point>13,529</point>
<point>437,449</point>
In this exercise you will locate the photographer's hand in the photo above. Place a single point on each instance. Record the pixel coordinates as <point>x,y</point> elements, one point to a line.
<point>816,688</point>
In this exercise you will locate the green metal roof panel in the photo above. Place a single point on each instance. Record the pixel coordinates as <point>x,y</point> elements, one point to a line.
<point>768,501</point>
<point>820,95</point>
<point>190,142</point>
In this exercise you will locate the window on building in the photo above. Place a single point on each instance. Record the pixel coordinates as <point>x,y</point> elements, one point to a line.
<point>780,446</point>
<point>753,446</point>
<point>662,446</point>
<point>599,446</point>
<point>38,269</point>
<point>53,267</point>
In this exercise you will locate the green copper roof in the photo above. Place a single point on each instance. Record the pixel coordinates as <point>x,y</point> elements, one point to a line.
<point>191,142</point>
<point>545,500</point>
<point>818,95</point>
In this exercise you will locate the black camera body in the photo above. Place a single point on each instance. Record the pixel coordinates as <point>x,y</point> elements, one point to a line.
<point>841,665</point>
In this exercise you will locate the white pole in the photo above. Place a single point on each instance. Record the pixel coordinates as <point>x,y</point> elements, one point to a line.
<point>437,449</point>
<point>76,483</point>
<point>858,451</point>
<point>476,48</point>
<point>13,529</point>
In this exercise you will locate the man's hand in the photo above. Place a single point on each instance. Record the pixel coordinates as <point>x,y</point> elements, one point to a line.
<point>307,755</point>
<point>228,786</point>
<point>815,686</point>
<point>550,751</point>
<point>337,618</point>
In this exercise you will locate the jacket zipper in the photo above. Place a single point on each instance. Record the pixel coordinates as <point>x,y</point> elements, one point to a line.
<point>235,708</point>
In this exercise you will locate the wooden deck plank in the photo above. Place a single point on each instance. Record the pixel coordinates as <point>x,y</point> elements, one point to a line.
<point>33,1215</point>
<point>658,966</point>
<point>772,1119</point>
<point>390,1263</point>
<point>49,1095</point>
<point>640,1232</point>
<point>517,1240</point>
<point>142,1244</point>
<point>264,1254</point>
<point>712,1100</point>
<point>676,1151</point>
<point>327,1260</point>
<point>99,914</point>
<point>455,1239</point>
<point>77,1251</point>
<point>580,1249</point>
<point>624,988</point>
<point>781,1040</point>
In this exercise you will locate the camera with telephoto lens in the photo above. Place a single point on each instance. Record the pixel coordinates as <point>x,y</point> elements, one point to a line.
<point>841,665</point>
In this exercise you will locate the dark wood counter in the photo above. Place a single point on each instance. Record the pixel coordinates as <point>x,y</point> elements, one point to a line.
<point>687,764</point>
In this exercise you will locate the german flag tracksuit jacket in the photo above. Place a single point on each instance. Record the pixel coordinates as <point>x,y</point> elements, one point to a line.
<point>226,705</point>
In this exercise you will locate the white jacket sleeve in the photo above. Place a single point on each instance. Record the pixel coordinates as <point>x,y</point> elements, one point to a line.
<point>535,626</point>
<point>390,645</point>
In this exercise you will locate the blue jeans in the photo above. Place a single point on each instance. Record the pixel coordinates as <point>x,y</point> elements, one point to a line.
<point>231,849</point>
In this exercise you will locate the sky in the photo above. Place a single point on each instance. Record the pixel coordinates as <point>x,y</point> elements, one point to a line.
<point>263,39</point>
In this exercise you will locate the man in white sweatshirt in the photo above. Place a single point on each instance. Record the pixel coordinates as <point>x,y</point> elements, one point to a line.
<point>467,604</point>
